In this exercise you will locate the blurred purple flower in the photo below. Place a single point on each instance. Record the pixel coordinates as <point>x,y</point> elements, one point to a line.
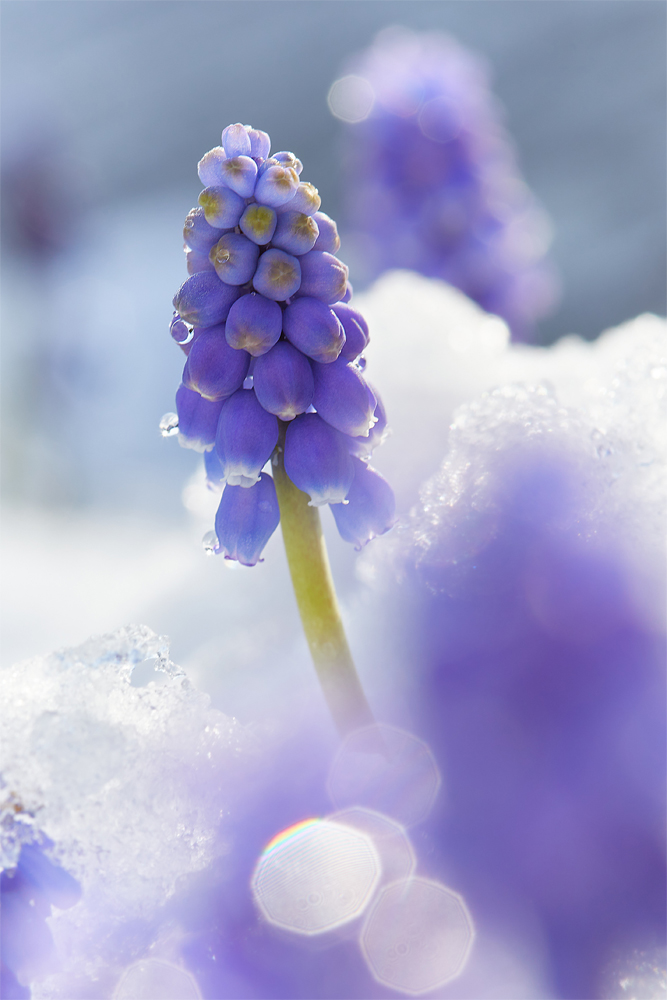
<point>431,181</point>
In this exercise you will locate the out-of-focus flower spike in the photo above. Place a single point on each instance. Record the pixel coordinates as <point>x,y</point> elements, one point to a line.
<point>236,141</point>
<point>343,398</point>
<point>323,276</point>
<point>260,144</point>
<point>214,369</point>
<point>283,381</point>
<point>234,258</point>
<point>203,300</point>
<point>278,275</point>
<point>276,186</point>
<point>295,232</point>
<point>317,460</point>
<point>356,330</point>
<point>328,239</point>
<point>258,222</point>
<point>370,509</point>
<point>197,419</point>
<point>254,324</point>
<point>314,329</point>
<point>245,438</point>
<point>246,519</point>
<point>222,207</point>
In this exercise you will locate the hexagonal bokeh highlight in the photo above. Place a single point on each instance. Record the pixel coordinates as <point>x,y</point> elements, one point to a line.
<point>387,770</point>
<point>316,876</point>
<point>152,979</point>
<point>417,936</point>
<point>392,843</point>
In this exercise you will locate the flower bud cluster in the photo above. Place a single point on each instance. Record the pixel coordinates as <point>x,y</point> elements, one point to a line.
<point>273,351</point>
<point>432,183</point>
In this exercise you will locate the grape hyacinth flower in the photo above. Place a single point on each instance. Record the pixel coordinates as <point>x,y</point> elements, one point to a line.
<point>432,183</point>
<point>274,374</point>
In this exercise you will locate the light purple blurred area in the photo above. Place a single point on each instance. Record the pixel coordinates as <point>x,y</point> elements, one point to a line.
<point>106,109</point>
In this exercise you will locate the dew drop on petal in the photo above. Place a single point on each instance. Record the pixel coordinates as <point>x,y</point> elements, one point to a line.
<point>169,425</point>
<point>211,543</point>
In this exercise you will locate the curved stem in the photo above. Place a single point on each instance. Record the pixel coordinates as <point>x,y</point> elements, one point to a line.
<point>316,599</point>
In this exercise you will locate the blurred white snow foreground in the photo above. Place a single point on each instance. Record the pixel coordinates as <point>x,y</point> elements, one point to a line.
<point>131,782</point>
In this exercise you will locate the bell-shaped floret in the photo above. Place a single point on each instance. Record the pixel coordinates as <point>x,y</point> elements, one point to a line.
<point>278,275</point>
<point>260,143</point>
<point>323,276</point>
<point>258,223</point>
<point>314,329</point>
<point>236,141</point>
<point>356,330</point>
<point>245,439</point>
<point>343,398</point>
<point>234,258</point>
<point>306,200</point>
<point>328,238</point>
<point>348,292</point>
<point>197,233</point>
<point>276,185</point>
<point>288,159</point>
<point>370,509</point>
<point>204,300</point>
<point>209,166</point>
<point>239,173</point>
<point>197,260</point>
<point>363,447</point>
<point>215,479</point>
<point>283,381</point>
<point>197,419</point>
<point>295,232</point>
<point>317,460</point>
<point>254,324</point>
<point>246,519</point>
<point>214,369</point>
<point>222,206</point>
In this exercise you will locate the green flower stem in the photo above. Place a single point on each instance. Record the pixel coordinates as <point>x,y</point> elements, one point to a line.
<point>316,599</point>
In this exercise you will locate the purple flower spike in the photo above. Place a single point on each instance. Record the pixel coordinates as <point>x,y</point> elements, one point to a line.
<point>197,233</point>
<point>204,300</point>
<point>317,460</point>
<point>209,167</point>
<point>295,232</point>
<point>283,381</point>
<point>323,276</point>
<point>363,447</point>
<point>236,141</point>
<point>214,369</point>
<point>245,438</point>
<point>306,199</point>
<point>311,326</point>
<point>356,330</point>
<point>278,275</point>
<point>239,173</point>
<point>328,238</point>
<point>258,222</point>
<point>343,398</point>
<point>195,261</point>
<point>371,507</point>
<point>276,186</point>
<point>260,143</point>
<point>222,206</point>
<point>246,519</point>
<point>197,419</point>
<point>254,324</point>
<point>234,258</point>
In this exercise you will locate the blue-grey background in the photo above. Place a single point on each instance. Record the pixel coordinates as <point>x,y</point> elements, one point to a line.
<point>106,108</point>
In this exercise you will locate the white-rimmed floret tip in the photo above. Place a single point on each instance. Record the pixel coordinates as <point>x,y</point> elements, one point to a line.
<point>269,336</point>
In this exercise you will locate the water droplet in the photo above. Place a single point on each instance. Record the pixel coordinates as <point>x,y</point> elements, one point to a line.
<point>169,425</point>
<point>211,543</point>
<point>248,382</point>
